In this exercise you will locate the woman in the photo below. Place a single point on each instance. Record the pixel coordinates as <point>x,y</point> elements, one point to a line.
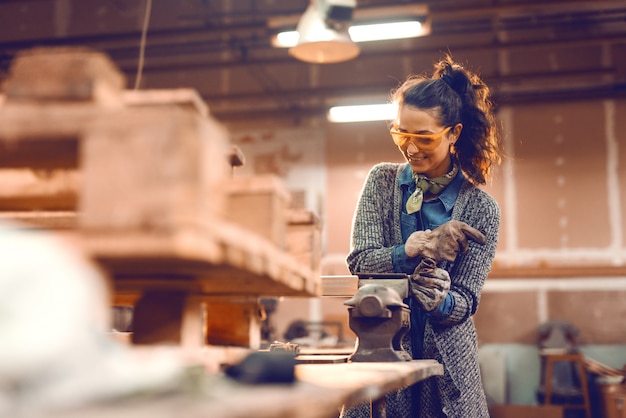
<point>427,218</point>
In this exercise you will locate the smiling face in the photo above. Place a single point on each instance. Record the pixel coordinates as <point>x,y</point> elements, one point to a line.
<point>432,162</point>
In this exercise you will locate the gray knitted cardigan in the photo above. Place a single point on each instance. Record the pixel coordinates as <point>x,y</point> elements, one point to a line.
<point>451,341</point>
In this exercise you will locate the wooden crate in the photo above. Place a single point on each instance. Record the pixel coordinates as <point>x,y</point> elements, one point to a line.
<point>304,237</point>
<point>152,169</point>
<point>259,204</point>
<point>64,74</point>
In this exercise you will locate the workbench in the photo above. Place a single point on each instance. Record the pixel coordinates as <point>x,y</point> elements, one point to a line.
<point>319,391</point>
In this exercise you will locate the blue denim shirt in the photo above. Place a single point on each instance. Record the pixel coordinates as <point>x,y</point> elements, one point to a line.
<point>434,213</point>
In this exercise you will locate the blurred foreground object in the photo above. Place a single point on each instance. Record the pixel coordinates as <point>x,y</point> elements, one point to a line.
<point>55,350</point>
<point>274,366</point>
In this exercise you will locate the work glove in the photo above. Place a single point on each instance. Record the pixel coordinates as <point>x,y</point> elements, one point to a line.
<point>429,284</point>
<point>444,242</point>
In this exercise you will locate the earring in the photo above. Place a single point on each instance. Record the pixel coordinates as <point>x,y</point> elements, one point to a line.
<point>452,148</point>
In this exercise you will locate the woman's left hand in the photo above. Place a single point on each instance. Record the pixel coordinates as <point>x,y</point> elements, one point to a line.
<point>429,284</point>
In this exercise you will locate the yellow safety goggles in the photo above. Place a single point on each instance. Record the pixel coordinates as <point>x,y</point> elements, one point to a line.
<point>425,142</point>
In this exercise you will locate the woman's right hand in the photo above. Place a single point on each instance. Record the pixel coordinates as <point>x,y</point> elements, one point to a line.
<point>417,242</point>
<point>444,242</point>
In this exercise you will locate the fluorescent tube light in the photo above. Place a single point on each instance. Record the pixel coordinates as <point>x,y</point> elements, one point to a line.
<point>362,113</point>
<point>384,31</point>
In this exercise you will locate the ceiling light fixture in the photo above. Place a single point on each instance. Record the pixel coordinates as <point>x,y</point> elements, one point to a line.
<point>363,33</point>
<point>373,24</point>
<point>323,36</point>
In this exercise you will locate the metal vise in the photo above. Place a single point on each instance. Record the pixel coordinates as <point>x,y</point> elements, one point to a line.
<point>379,317</point>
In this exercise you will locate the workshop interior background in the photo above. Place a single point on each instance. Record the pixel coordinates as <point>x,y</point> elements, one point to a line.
<point>558,73</point>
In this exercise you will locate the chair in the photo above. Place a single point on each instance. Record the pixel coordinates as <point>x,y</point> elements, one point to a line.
<point>563,372</point>
<point>570,389</point>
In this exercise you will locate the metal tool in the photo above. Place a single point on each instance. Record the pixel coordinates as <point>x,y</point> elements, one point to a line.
<point>379,317</point>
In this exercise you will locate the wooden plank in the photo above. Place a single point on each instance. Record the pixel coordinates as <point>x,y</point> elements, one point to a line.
<point>340,286</point>
<point>218,258</point>
<point>185,98</point>
<point>324,351</point>
<point>321,358</point>
<point>304,237</point>
<point>52,220</point>
<point>28,189</point>
<point>368,380</point>
<point>47,122</point>
<point>47,135</point>
<point>211,258</point>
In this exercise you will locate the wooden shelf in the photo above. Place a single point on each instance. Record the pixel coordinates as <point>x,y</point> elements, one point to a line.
<point>214,259</point>
<point>346,286</point>
<point>143,181</point>
<point>555,272</point>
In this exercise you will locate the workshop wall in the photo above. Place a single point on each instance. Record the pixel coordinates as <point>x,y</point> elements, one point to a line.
<point>560,187</point>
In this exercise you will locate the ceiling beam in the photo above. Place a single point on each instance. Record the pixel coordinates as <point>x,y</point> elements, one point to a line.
<point>613,91</point>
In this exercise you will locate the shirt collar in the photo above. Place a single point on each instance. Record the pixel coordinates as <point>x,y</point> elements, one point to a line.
<point>451,192</point>
<point>406,176</point>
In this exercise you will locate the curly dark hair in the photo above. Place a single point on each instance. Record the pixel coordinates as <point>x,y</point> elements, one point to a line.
<point>456,95</point>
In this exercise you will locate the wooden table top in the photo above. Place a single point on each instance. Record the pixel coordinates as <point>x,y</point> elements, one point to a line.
<point>319,391</point>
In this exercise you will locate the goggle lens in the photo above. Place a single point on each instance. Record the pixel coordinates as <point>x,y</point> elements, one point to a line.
<point>425,142</point>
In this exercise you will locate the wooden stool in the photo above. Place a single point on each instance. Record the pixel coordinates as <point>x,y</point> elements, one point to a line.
<point>576,359</point>
<point>618,408</point>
